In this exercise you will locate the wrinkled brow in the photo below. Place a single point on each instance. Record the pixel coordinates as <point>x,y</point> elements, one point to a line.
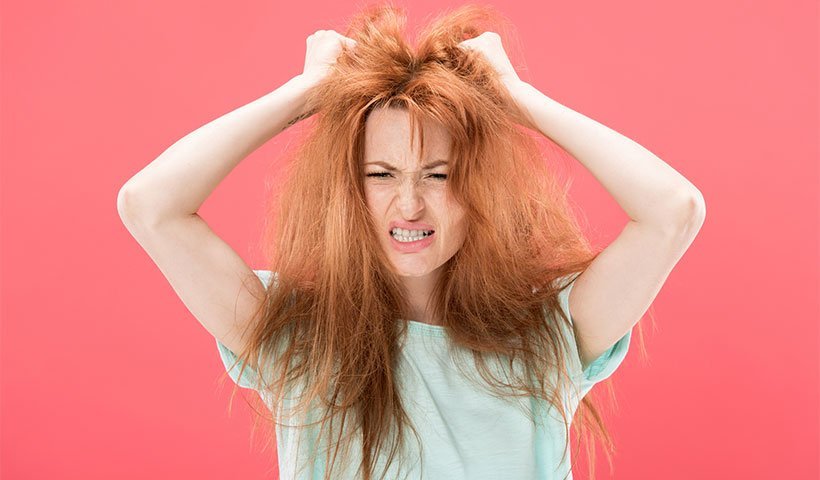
<point>427,166</point>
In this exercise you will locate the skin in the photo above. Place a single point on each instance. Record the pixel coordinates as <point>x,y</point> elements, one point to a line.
<point>396,196</point>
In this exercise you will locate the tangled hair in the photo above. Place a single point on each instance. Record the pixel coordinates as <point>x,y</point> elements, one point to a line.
<point>329,327</point>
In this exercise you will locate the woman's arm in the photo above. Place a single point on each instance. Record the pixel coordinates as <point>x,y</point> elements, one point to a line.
<point>159,208</point>
<point>159,204</point>
<point>666,212</point>
<point>647,189</point>
<point>177,182</point>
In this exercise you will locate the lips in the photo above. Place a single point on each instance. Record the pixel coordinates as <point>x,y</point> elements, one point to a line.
<point>412,247</point>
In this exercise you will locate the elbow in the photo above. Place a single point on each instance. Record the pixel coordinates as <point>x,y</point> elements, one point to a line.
<point>681,216</point>
<point>125,203</point>
<point>140,210</point>
<point>131,206</point>
<point>696,207</point>
<point>692,211</point>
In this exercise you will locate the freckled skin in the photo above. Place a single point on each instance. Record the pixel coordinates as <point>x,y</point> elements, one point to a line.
<point>397,197</point>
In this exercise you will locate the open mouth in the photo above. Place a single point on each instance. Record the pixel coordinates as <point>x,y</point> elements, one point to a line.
<point>410,236</point>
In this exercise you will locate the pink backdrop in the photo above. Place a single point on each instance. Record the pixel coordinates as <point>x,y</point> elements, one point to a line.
<point>105,374</point>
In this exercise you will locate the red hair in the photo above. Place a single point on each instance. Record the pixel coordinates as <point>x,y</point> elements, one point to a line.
<point>331,322</point>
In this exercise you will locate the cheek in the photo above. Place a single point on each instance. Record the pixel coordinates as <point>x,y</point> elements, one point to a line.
<point>459,219</point>
<point>456,221</point>
<point>373,199</point>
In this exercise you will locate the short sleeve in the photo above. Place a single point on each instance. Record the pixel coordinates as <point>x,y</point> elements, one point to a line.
<point>250,376</point>
<point>602,367</point>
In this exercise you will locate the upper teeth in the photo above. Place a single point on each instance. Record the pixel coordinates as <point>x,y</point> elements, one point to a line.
<point>409,233</point>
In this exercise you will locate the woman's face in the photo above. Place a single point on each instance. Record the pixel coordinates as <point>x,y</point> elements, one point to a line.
<point>409,193</point>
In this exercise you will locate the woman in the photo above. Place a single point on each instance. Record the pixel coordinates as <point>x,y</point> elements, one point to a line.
<point>426,261</point>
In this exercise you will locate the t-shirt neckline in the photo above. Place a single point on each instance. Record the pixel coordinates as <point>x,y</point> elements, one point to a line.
<point>426,328</point>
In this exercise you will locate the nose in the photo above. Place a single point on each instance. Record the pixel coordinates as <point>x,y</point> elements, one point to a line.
<point>410,200</point>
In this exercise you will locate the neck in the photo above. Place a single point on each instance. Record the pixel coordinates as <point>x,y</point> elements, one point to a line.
<point>419,290</point>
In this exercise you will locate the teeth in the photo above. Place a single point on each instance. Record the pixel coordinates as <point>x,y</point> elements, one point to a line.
<point>410,233</point>
<point>403,235</point>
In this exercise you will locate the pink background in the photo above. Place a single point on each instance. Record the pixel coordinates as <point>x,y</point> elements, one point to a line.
<point>105,374</point>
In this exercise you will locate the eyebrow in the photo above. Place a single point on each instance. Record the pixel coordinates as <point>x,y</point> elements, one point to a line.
<point>427,166</point>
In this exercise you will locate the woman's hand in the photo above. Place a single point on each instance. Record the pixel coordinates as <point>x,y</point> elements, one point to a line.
<point>323,48</point>
<point>488,44</point>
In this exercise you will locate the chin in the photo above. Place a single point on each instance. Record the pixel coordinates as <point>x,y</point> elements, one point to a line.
<point>412,272</point>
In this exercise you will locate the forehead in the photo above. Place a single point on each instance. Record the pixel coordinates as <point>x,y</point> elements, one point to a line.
<point>389,137</point>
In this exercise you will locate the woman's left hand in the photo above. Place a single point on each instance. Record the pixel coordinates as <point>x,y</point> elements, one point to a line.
<point>490,47</point>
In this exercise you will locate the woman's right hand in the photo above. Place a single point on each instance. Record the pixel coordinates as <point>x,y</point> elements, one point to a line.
<point>323,48</point>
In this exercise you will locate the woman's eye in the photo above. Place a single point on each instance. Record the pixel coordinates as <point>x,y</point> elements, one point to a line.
<point>437,176</point>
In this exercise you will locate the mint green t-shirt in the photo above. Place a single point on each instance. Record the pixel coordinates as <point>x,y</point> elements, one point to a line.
<point>465,432</point>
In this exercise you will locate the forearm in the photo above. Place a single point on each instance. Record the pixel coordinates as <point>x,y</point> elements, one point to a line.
<point>644,186</point>
<point>178,181</point>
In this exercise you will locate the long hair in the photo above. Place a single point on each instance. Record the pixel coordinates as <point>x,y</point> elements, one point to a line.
<point>329,326</point>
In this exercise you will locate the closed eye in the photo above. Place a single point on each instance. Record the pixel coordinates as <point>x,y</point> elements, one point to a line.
<point>438,176</point>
